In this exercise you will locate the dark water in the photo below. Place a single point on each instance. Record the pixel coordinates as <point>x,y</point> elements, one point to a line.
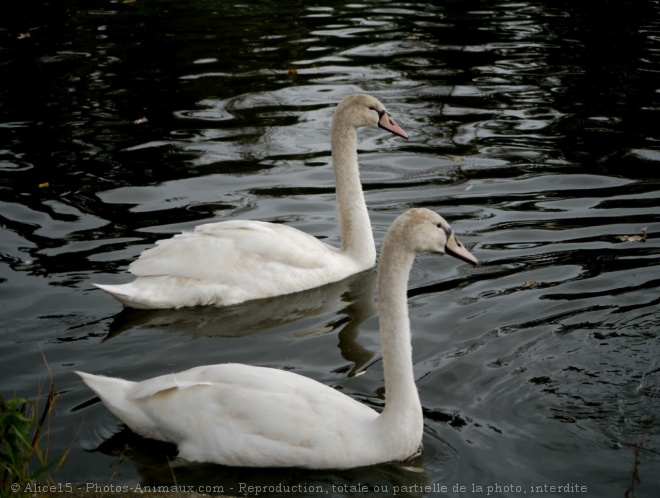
<point>534,130</point>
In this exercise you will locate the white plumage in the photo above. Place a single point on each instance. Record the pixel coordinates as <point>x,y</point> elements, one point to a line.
<point>235,261</point>
<point>241,415</point>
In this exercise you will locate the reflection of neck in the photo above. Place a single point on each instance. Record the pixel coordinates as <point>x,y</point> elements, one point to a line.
<point>357,238</point>
<point>361,305</point>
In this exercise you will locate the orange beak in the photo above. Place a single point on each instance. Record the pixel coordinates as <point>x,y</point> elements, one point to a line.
<point>453,247</point>
<point>387,123</point>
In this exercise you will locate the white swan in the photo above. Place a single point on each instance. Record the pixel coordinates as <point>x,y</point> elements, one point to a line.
<point>235,261</point>
<point>241,415</point>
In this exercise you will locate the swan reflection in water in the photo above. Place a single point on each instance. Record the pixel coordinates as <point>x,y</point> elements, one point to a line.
<point>345,305</point>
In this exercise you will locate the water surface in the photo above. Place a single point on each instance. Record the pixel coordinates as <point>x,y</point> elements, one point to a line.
<point>532,130</point>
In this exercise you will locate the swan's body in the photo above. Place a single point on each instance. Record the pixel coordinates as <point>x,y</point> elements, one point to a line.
<point>241,415</point>
<point>235,261</point>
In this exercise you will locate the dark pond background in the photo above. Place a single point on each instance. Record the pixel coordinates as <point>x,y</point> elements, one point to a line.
<point>533,129</point>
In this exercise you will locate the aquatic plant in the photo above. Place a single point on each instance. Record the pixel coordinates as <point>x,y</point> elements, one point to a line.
<point>21,428</point>
<point>636,475</point>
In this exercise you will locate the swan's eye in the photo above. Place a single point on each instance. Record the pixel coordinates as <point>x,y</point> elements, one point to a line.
<point>448,231</point>
<point>380,113</point>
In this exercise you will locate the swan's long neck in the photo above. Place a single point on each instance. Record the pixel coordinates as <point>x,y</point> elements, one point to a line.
<point>403,412</point>
<point>357,239</point>
<point>402,420</point>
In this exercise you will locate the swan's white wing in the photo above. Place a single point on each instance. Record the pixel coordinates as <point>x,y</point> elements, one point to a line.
<point>225,252</point>
<point>232,262</point>
<point>242,415</point>
<point>246,376</point>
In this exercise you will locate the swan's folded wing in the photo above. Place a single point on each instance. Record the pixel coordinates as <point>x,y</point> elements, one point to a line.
<point>224,251</point>
<point>251,382</point>
<point>225,373</point>
<point>233,375</point>
<point>251,415</point>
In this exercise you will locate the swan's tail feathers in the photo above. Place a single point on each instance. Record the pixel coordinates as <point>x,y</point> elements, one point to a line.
<point>137,296</point>
<point>165,292</point>
<point>114,394</point>
<point>119,292</point>
<point>112,391</point>
<point>133,296</point>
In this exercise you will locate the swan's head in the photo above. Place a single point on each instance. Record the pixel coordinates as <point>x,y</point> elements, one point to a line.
<point>422,230</point>
<point>364,110</point>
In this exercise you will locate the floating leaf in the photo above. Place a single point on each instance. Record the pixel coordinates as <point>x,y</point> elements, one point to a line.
<point>418,470</point>
<point>633,238</point>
